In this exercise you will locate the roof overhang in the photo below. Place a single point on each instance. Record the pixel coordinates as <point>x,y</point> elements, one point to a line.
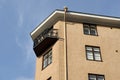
<point>75,17</point>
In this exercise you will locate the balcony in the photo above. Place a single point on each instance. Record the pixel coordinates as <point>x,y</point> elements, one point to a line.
<point>44,41</point>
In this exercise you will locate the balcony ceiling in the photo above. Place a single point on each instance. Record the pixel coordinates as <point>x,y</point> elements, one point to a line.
<point>75,17</point>
<point>44,45</point>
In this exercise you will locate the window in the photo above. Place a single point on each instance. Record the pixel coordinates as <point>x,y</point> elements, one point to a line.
<point>47,58</point>
<point>93,53</point>
<point>90,29</point>
<point>95,77</point>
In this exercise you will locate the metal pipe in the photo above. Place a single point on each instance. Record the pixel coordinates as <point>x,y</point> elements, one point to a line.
<point>65,45</point>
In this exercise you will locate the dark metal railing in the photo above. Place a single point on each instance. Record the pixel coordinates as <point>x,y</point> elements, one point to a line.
<point>53,33</point>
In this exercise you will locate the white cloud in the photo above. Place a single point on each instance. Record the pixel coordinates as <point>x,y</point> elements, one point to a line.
<point>29,49</point>
<point>18,43</point>
<point>24,78</point>
<point>22,38</point>
<point>26,48</point>
<point>20,19</point>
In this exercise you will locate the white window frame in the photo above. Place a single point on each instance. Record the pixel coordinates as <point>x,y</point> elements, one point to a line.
<point>96,77</point>
<point>93,53</point>
<point>47,58</point>
<point>90,28</point>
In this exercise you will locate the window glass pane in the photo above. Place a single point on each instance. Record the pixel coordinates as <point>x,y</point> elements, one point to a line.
<point>45,63</point>
<point>100,77</point>
<point>93,32</point>
<point>97,56</point>
<point>86,31</point>
<point>92,77</point>
<point>45,56</point>
<point>90,55</point>
<point>96,49</point>
<point>47,59</point>
<point>89,48</point>
<point>50,57</point>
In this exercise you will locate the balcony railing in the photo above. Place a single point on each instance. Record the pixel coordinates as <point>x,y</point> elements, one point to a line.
<point>45,40</point>
<point>48,33</point>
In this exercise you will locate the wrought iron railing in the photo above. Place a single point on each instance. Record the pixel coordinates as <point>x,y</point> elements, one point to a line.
<point>53,33</point>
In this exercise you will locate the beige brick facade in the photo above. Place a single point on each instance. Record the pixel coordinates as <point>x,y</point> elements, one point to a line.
<point>108,39</point>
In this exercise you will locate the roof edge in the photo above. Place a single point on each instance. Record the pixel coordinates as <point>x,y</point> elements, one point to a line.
<point>73,13</point>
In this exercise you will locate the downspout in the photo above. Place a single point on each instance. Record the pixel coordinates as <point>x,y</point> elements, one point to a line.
<point>65,44</point>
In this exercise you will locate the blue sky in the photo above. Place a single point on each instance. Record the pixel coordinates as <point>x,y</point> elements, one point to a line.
<point>19,17</point>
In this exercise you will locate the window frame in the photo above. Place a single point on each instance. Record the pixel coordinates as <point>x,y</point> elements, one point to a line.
<point>93,53</point>
<point>48,56</point>
<point>96,75</point>
<point>90,27</point>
